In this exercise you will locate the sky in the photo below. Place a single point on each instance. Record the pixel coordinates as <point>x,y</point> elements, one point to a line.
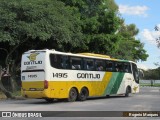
<point>145,14</point>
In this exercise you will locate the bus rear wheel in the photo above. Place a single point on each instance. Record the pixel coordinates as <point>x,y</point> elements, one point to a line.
<point>72,95</point>
<point>83,94</point>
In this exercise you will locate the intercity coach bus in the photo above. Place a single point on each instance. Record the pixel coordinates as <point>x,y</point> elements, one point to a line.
<point>50,74</point>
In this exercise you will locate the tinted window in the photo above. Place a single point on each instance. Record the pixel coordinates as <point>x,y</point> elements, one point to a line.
<point>99,65</point>
<point>59,61</point>
<point>127,67</point>
<point>122,67</point>
<point>55,60</point>
<point>109,66</point>
<point>76,63</point>
<point>88,64</point>
<point>119,67</point>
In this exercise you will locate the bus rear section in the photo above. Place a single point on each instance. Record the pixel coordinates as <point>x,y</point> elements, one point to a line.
<point>34,84</point>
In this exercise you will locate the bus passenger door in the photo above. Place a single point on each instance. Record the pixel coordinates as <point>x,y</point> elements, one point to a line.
<point>135,84</point>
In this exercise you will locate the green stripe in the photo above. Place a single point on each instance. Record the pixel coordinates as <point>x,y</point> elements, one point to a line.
<point>114,83</point>
<point>111,83</point>
<point>117,83</point>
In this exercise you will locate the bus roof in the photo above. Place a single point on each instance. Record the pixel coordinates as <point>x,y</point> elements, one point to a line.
<point>89,55</point>
<point>95,55</point>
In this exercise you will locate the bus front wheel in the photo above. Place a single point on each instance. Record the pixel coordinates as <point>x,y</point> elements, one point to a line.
<point>72,95</point>
<point>128,90</point>
<point>83,94</point>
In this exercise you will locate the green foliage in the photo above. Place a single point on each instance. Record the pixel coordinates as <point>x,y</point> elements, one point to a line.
<point>105,32</point>
<point>68,25</point>
<point>100,22</point>
<point>152,74</point>
<point>103,43</point>
<point>49,20</point>
<point>129,47</point>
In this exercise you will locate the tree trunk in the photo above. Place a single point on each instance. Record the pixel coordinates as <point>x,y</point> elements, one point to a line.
<point>13,76</point>
<point>2,88</point>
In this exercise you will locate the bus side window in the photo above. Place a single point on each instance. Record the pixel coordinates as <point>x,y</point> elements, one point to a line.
<point>99,64</point>
<point>119,67</point>
<point>116,67</point>
<point>109,66</point>
<point>127,67</point>
<point>76,63</point>
<point>64,62</point>
<point>59,61</point>
<point>54,60</point>
<point>88,64</point>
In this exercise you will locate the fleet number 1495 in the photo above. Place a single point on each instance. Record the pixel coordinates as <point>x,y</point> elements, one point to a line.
<point>60,75</point>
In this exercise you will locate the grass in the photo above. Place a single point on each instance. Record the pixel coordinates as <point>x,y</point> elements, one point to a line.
<point>16,94</point>
<point>154,85</point>
<point>2,96</point>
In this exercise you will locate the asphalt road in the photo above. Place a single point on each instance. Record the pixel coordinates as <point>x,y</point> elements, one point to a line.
<point>147,100</point>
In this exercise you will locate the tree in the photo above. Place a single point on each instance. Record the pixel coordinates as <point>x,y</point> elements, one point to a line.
<point>157,28</point>
<point>104,29</point>
<point>129,47</point>
<point>38,20</point>
<point>36,24</point>
<point>152,74</point>
<point>100,22</point>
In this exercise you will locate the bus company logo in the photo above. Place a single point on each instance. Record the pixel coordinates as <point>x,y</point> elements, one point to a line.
<point>33,56</point>
<point>135,88</point>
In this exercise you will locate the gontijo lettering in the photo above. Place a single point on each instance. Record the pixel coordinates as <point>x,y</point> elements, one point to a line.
<point>88,75</point>
<point>32,62</point>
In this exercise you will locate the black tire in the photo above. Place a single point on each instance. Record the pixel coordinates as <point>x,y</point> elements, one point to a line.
<point>49,100</point>
<point>83,94</point>
<point>72,95</point>
<point>127,92</point>
<point>107,96</point>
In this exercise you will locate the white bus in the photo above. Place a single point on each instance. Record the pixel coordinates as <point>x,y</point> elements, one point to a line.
<point>50,74</point>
